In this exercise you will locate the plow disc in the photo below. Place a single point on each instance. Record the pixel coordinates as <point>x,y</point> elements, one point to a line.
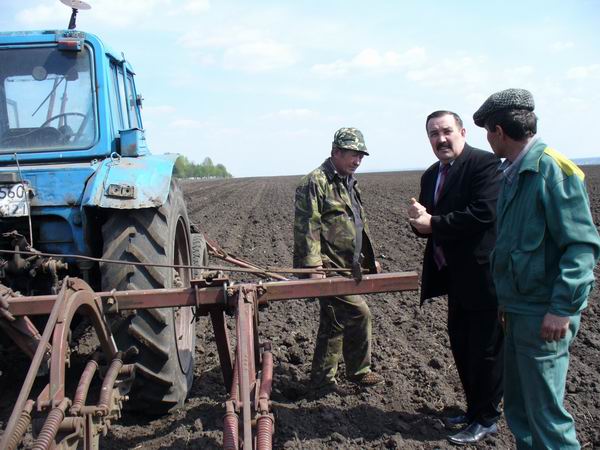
<point>58,420</point>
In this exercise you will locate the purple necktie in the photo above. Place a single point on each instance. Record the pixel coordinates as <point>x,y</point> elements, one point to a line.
<point>440,186</point>
<point>438,253</point>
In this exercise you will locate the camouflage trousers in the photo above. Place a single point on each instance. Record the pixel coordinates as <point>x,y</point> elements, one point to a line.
<point>344,329</point>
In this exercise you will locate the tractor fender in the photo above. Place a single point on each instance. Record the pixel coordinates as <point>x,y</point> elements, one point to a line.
<point>130,183</point>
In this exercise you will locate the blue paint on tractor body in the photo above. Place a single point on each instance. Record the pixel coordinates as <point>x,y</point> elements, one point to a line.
<point>71,129</point>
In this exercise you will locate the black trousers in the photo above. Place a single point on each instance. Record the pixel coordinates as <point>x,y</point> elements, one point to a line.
<point>477,340</point>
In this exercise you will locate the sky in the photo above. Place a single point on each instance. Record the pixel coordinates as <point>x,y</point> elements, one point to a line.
<point>261,86</point>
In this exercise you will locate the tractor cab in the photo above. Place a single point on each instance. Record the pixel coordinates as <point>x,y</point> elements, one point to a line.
<point>65,96</point>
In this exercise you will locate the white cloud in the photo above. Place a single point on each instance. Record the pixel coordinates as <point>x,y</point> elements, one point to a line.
<point>561,46</point>
<point>301,93</point>
<point>193,7</point>
<point>44,16</point>
<point>159,109</point>
<point>517,76</point>
<point>298,113</point>
<point>584,72</point>
<point>222,38</point>
<point>458,71</point>
<point>183,78</point>
<point>187,124</point>
<point>112,13</point>
<point>372,60</point>
<point>258,56</point>
<point>240,48</point>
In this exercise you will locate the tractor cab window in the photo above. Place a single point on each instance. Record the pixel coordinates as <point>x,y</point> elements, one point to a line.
<point>127,98</point>
<point>117,118</point>
<point>132,102</point>
<point>46,100</point>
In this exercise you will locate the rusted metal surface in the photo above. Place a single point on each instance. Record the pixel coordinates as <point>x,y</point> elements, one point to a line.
<point>247,371</point>
<point>223,346</point>
<point>84,384</point>
<point>52,403</point>
<point>210,297</point>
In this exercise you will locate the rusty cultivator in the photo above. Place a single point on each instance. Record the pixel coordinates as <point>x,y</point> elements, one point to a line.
<point>65,420</point>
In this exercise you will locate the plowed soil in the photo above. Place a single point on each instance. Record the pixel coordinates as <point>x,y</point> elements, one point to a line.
<point>252,218</point>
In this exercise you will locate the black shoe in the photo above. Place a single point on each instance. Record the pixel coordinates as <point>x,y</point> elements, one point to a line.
<point>472,433</point>
<point>454,421</point>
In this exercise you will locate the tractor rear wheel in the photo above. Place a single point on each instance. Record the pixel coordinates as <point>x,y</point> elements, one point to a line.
<point>164,337</point>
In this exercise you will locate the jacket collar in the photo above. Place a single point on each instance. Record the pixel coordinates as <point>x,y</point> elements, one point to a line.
<point>332,175</point>
<point>531,161</point>
<point>331,172</point>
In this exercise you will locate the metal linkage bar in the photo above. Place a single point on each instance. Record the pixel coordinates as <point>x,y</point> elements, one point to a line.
<point>245,355</point>
<point>216,251</point>
<point>207,298</point>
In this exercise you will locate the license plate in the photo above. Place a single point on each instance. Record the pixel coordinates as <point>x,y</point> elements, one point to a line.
<point>13,200</point>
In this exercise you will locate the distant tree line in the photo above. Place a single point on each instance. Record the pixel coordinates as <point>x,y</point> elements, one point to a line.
<point>184,168</point>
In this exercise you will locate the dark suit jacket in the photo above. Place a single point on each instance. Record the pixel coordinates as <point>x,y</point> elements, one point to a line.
<point>463,224</point>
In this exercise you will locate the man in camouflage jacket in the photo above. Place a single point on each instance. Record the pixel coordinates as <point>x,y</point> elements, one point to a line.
<point>330,231</point>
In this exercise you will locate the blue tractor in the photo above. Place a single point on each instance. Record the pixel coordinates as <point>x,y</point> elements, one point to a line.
<point>77,180</point>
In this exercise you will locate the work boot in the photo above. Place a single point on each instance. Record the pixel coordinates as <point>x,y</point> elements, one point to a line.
<point>368,379</point>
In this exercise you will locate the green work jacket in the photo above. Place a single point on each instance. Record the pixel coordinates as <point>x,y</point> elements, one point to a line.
<point>324,223</point>
<point>547,244</point>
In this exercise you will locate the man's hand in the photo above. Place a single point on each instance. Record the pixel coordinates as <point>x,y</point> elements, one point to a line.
<point>554,328</point>
<point>415,209</point>
<point>418,217</point>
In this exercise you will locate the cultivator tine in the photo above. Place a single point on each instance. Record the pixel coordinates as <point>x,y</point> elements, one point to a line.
<point>231,418</point>
<point>58,429</point>
<point>84,384</point>
<point>249,396</point>
<point>265,423</point>
<point>33,370</point>
<point>109,383</point>
<point>51,425</point>
<point>245,356</point>
<point>21,427</point>
<point>223,347</point>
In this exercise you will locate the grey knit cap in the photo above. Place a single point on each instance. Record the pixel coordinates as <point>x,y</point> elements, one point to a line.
<point>507,99</point>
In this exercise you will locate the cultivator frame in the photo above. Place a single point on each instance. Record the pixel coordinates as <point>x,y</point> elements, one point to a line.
<point>65,423</point>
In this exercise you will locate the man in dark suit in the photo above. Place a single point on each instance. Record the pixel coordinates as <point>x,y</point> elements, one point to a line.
<point>456,212</point>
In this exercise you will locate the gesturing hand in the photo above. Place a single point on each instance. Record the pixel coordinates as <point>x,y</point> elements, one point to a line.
<point>415,209</point>
<point>418,217</point>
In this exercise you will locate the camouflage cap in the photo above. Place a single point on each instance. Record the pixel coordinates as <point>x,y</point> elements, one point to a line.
<point>506,99</point>
<point>350,139</point>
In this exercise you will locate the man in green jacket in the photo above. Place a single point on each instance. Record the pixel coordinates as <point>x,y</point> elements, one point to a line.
<point>330,231</point>
<point>546,249</point>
